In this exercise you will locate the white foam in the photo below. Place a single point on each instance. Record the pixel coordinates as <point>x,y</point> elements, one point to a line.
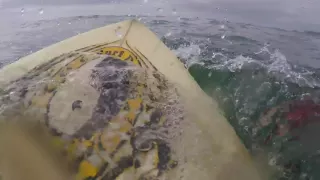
<point>277,65</point>
<point>238,63</point>
<point>189,54</point>
<point>280,66</point>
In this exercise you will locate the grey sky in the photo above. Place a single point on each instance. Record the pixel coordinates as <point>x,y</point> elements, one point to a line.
<point>281,13</point>
<point>291,14</point>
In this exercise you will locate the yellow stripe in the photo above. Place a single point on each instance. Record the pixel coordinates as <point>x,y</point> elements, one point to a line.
<point>86,170</point>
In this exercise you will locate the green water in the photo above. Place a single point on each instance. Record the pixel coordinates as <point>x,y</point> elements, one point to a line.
<point>243,96</point>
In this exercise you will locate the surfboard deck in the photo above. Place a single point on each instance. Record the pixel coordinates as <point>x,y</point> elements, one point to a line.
<point>127,106</point>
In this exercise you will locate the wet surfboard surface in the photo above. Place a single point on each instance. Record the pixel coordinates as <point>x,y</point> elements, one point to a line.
<point>111,114</point>
<point>123,107</point>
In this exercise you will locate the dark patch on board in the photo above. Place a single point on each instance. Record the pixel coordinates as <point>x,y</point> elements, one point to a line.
<point>76,105</point>
<point>71,55</point>
<point>154,118</point>
<point>152,97</point>
<point>110,85</point>
<point>173,164</point>
<point>126,107</point>
<point>164,155</point>
<point>62,74</point>
<point>141,107</point>
<point>47,89</point>
<point>90,178</point>
<point>108,101</point>
<point>137,163</point>
<point>106,78</point>
<point>148,107</point>
<point>112,61</point>
<point>146,145</point>
<point>55,132</point>
<point>126,82</point>
<point>63,80</point>
<point>164,150</point>
<point>157,76</point>
<point>100,145</point>
<point>23,92</point>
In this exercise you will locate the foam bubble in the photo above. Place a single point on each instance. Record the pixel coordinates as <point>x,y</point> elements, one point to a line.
<point>41,11</point>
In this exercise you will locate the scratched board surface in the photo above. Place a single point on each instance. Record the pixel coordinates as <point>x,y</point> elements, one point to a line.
<point>109,110</point>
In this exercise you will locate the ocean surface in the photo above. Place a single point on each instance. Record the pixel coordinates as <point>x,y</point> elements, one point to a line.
<point>247,68</point>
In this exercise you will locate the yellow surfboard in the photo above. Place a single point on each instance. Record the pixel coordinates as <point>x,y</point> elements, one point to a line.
<point>119,105</point>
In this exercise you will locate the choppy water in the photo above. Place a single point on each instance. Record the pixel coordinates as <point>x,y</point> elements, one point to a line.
<point>246,68</point>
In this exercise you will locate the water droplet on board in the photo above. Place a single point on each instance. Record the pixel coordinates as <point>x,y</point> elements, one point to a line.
<point>41,11</point>
<point>199,51</point>
<point>174,11</point>
<point>222,26</point>
<point>223,36</point>
<point>118,32</point>
<point>160,10</point>
<point>22,11</point>
<point>168,34</point>
<point>246,128</point>
<point>272,161</point>
<point>145,1</point>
